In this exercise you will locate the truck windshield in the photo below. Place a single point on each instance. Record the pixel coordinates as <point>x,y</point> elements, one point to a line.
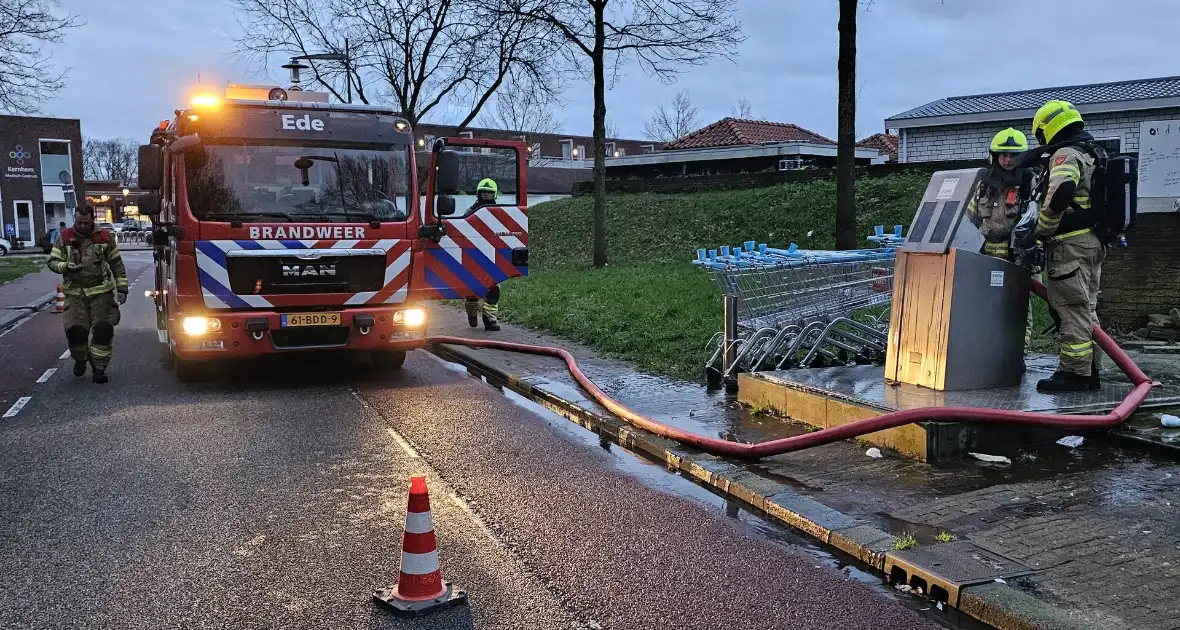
<point>252,183</point>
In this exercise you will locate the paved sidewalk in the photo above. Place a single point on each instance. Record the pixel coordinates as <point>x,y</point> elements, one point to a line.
<point>1096,525</point>
<point>25,294</point>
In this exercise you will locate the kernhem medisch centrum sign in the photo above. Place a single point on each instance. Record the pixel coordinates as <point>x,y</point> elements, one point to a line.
<point>20,165</point>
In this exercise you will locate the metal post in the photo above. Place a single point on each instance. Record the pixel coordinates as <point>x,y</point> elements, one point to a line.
<point>347,71</point>
<point>729,315</point>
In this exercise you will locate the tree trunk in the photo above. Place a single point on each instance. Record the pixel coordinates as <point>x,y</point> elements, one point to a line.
<point>599,62</point>
<point>846,237</point>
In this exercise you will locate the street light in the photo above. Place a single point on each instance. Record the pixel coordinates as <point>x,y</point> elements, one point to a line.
<point>126,192</point>
<point>341,57</point>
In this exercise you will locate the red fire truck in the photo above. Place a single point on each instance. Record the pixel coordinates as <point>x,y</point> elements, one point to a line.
<point>284,223</point>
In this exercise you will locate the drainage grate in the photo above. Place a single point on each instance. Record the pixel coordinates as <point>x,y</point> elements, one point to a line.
<point>942,570</point>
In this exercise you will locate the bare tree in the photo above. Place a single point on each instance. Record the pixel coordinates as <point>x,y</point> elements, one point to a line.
<point>116,159</point>
<point>424,56</point>
<point>743,109</point>
<point>662,36</point>
<point>528,112</point>
<point>612,130</point>
<point>669,123</point>
<point>27,75</point>
<point>846,129</point>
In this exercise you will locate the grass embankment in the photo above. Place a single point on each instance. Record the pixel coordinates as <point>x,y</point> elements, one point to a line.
<point>14,268</point>
<point>650,306</point>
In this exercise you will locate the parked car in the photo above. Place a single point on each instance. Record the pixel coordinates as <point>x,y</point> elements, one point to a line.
<point>5,246</point>
<point>107,226</point>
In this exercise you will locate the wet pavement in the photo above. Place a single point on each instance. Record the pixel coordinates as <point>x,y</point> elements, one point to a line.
<point>273,495</point>
<point>1085,519</point>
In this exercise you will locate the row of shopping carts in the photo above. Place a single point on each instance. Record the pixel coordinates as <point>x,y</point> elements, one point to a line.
<point>792,307</point>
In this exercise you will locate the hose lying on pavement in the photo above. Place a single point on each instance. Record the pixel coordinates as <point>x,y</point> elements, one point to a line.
<point>1142,386</point>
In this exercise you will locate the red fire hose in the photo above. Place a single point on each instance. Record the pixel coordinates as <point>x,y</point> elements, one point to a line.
<point>1142,386</point>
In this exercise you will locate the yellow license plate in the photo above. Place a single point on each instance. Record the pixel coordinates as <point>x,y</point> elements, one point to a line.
<point>298,320</point>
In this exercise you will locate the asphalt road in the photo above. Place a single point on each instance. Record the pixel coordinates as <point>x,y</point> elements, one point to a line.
<point>273,496</point>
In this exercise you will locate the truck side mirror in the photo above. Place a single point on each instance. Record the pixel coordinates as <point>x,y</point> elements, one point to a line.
<point>151,167</point>
<point>149,204</point>
<point>446,178</point>
<point>445,206</point>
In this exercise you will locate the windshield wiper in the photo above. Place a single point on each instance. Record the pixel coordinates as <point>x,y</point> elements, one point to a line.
<point>245,215</point>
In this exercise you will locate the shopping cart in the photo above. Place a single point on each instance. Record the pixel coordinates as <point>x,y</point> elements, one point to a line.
<point>787,308</point>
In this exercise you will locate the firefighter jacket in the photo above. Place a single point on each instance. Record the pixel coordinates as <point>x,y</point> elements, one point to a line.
<point>995,208</point>
<point>100,265</point>
<point>1073,164</point>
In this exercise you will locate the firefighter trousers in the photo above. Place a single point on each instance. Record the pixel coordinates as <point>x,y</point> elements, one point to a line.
<point>1073,275</point>
<point>488,307</point>
<point>90,327</point>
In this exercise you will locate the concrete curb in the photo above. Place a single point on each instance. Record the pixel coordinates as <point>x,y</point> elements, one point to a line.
<point>991,602</point>
<point>12,315</point>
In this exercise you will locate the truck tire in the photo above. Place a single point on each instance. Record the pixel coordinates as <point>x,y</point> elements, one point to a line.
<point>389,361</point>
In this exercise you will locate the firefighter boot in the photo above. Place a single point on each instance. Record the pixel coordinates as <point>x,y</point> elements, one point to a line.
<point>99,376</point>
<point>80,368</point>
<point>491,309</point>
<point>78,338</point>
<point>1067,382</point>
<point>471,305</point>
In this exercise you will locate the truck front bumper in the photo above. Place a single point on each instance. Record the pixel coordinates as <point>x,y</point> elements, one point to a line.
<point>214,336</point>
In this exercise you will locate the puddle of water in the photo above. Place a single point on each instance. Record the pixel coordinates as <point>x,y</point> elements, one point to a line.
<point>656,476</point>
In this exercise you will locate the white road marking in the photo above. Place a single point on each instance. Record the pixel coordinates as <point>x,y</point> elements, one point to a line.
<point>17,406</point>
<point>64,355</point>
<point>48,373</point>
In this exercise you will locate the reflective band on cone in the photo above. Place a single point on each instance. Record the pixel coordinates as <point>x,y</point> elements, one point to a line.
<point>59,302</point>
<point>420,587</point>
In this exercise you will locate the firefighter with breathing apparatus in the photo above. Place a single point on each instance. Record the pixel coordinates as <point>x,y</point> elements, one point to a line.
<point>486,192</point>
<point>1002,194</point>
<point>1074,237</point>
<point>1001,198</point>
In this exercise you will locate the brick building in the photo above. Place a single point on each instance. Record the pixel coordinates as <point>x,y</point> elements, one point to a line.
<point>1136,281</point>
<point>961,127</point>
<point>551,150</point>
<point>735,145</point>
<point>35,153</point>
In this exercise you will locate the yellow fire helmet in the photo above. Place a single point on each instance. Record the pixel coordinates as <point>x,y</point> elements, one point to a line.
<point>1052,117</point>
<point>1009,141</point>
<point>489,185</point>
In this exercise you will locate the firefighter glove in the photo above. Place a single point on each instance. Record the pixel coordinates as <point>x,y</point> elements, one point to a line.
<point>121,296</point>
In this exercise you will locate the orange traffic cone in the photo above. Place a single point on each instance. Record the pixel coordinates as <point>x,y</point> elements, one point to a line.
<point>419,588</point>
<point>59,302</point>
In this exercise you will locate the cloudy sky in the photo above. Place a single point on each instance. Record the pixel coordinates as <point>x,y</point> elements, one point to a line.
<point>135,59</point>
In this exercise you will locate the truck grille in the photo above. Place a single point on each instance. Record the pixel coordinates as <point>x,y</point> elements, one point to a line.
<point>326,337</point>
<point>270,275</point>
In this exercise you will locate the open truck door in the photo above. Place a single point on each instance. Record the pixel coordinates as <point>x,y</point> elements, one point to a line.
<point>467,246</point>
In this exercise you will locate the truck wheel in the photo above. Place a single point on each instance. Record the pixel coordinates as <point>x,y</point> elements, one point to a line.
<point>389,361</point>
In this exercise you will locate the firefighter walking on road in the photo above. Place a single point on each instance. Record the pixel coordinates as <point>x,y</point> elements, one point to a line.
<point>486,192</point>
<point>1073,251</point>
<point>94,281</point>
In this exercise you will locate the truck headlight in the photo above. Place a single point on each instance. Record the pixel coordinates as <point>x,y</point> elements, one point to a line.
<point>197,326</point>
<point>412,317</point>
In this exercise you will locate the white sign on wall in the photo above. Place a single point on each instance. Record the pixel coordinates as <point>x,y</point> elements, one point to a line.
<point>1159,162</point>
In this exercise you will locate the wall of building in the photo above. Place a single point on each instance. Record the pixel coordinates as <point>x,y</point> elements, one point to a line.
<point>551,145</point>
<point>971,141</point>
<point>27,175</point>
<point>1140,280</point>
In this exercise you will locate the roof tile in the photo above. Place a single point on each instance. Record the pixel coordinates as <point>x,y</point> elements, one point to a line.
<point>1142,89</point>
<point>729,132</point>
<point>884,142</point>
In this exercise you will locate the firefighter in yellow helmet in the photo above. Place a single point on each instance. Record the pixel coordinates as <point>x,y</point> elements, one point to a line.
<point>486,192</point>
<point>95,284</point>
<point>1073,250</point>
<point>1002,193</point>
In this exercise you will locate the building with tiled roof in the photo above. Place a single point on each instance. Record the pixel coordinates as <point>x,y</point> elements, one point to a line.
<point>886,143</point>
<point>735,145</point>
<point>732,132</point>
<point>961,127</point>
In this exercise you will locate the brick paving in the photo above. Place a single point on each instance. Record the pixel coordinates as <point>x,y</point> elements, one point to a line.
<point>1096,524</point>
